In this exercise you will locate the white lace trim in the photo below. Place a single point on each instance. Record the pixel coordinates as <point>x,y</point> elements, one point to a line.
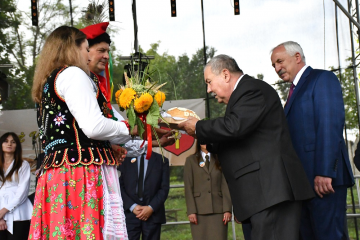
<point>114,219</point>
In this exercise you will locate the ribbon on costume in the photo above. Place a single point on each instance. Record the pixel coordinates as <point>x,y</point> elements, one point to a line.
<point>147,127</point>
<point>109,73</point>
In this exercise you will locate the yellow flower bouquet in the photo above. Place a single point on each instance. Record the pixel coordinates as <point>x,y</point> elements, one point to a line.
<point>142,101</point>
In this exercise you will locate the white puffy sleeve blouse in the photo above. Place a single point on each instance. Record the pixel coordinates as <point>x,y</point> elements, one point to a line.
<point>79,92</point>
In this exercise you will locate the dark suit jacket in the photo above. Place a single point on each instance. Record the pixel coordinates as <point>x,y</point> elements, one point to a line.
<point>156,186</point>
<point>254,147</point>
<point>206,191</point>
<point>316,117</point>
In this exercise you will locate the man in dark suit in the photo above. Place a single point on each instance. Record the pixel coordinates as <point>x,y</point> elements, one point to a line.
<point>315,115</point>
<point>266,180</point>
<point>144,194</point>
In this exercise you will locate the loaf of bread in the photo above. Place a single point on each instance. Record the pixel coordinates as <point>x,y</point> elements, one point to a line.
<point>179,114</point>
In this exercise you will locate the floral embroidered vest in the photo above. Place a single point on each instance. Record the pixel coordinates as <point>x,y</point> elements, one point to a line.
<point>62,138</point>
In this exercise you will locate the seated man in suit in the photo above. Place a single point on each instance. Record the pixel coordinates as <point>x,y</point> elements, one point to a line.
<point>144,187</point>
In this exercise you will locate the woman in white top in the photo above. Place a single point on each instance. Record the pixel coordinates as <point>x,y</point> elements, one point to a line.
<point>15,207</point>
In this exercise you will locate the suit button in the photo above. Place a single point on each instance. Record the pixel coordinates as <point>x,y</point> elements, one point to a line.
<point>209,192</point>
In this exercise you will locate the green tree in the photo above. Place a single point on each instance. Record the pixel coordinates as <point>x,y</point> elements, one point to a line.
<point>346,79</point>
<point>282,89</point>
<point>25,43</point>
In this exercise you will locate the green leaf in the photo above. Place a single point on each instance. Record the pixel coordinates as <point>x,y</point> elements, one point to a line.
<point>48,199</point>
<point>130,113</point>
<point>68,126</point>
<point>57,130</point>
<point>51,112</point>
<point>54,233</point>
<point>140,125</point>
<point>59,107</point>
<point>153,115</point>
<point>57,228</point>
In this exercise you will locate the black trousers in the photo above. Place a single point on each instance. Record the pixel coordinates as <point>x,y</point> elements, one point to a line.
<point>147,229</point>
<point>279,222</point>
<point>20,229</point>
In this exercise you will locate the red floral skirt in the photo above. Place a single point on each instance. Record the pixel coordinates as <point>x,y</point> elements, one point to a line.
<point>69,204</point>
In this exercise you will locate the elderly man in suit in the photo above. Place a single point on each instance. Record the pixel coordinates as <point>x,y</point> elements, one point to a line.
<point>266,180</point>
<point>144,185</point>
<point>315,115</point>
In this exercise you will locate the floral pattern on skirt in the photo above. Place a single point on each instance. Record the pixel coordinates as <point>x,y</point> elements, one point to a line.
<point>69,204</point>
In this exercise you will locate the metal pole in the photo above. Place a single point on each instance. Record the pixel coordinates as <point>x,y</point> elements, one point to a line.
<point>347,14</point>
<point>136,44</point>
<point>353,62</point>
<point>205,59</point>
<point>357,99</point>
<point>71,17</point>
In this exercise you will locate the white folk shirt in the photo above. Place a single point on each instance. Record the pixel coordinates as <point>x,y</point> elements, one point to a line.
<point>79,92</point>
<point>14,196</point>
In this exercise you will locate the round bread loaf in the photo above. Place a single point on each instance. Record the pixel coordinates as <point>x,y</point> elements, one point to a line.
<point>179,112</point>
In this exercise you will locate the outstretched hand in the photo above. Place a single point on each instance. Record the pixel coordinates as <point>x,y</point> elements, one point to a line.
<point>189,126</point>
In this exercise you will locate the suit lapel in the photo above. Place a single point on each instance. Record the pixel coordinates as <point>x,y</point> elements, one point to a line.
<point>301,82</point>
<point>151,163</point>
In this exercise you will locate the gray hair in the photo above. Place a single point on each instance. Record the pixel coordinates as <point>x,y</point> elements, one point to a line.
<point>222,61</point>
<point>292,48</point>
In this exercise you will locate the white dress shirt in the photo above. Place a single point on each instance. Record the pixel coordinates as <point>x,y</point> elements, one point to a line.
<point>204,154</point>
<point>14,196</point>
<point>132,145</point>
<point>79,93</point>
<point>299,74</point>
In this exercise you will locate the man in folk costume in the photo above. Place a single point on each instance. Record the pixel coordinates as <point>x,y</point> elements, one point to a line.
<point>99,54</point>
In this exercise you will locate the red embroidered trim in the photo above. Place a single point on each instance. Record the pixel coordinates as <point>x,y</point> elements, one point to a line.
<point>127,125</point>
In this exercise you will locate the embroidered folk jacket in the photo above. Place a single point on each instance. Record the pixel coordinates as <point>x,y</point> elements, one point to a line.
<point>61,137</point>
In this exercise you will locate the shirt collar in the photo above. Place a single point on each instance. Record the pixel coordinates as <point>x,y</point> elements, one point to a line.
<point>237,82</point>
<point>299,74</point>
<point>204,154</point>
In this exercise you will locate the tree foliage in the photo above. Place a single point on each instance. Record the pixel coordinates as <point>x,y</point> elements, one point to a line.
<point>24,43</point>
<point>346,79</point>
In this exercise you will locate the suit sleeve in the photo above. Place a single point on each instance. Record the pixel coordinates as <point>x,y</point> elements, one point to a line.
<point>189,187</point>
<point>243,117</point>
<point>329,122</point>
<point>127,201</point>
<point>160,197</point>
<point>227,206</point>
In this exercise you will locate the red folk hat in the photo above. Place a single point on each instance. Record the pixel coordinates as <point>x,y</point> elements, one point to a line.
<point>95,30</point>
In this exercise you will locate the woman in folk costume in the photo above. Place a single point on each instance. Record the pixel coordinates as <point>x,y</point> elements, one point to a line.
<point>78,194</point>
<point>207,196</point>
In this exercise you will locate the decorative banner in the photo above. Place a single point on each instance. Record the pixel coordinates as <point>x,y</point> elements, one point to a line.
<point>185,143</point>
